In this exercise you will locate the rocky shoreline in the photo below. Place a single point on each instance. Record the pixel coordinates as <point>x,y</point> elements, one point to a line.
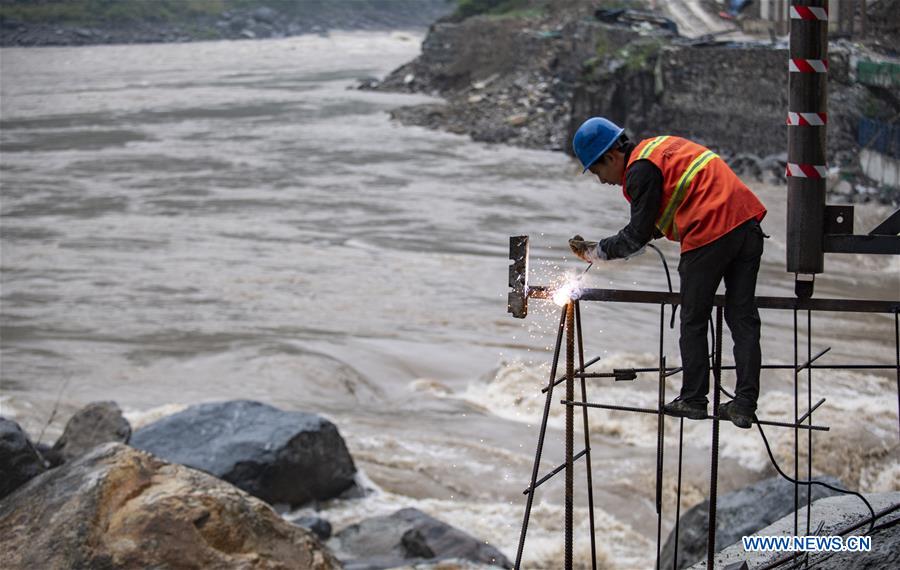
<point>529,80</point>
<point>203,488</point>
<point>268,20</point>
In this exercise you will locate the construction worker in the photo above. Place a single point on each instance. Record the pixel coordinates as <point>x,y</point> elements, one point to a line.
<point>685,192</point>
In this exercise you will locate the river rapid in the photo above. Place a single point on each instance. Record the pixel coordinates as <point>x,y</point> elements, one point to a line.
<point>184,223</point>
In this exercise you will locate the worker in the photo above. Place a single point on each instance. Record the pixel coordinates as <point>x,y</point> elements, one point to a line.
<point>685,192</point>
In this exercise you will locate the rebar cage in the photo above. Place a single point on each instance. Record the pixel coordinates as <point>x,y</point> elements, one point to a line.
<point>570,328</point>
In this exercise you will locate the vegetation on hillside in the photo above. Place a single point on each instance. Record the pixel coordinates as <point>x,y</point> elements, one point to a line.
<point>468,8</point>
<point>86,12</point>
<point>92,12</point>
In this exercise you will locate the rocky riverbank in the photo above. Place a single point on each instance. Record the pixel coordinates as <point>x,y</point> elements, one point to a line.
<point>202,488</point>
<point>87,22</point>
<point>529,80</point>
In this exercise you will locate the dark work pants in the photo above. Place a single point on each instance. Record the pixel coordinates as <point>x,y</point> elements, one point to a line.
<point>734,257</point>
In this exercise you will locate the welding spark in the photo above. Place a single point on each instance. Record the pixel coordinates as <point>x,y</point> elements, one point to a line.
<point>566,292</point>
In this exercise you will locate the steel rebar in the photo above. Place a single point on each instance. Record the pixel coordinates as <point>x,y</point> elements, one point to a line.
<point>708,416</point>
<point>796,430</point>
<point>783,303</point>
<point>676,369</point>
<point>808,414</point>
<point>843,532</point>
<point>540,444</point>
<point>714,455</point>
<point>587,437</point>
<point>570,426</point>
<point>555,470</point>
<point>678,492</point>
<point>660,433</point>
<point>578,373</point>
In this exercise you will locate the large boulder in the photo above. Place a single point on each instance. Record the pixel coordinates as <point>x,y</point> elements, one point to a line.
<point>406,537</point>
<point>835,514</point>
<point>19,460</point>
<point>96,423</point>
<point>280,457</point>
<point>739,513</point>
<point>117,507</point>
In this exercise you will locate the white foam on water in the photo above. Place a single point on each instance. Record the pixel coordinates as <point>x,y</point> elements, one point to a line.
<point>414,454</point>
<point>513,392</point>
<point>498,524</point>
<point>861,446</point>
<point>140,418</point>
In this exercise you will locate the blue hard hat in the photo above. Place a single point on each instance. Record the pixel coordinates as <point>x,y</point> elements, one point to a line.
<point>594,137</point>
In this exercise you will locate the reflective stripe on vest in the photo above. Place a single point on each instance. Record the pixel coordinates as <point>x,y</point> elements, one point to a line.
<point>696,165</point>
<point>651,147</point>
<point>702,198</point>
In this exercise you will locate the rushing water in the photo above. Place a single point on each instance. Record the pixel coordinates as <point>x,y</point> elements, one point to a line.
<point>193,222</point>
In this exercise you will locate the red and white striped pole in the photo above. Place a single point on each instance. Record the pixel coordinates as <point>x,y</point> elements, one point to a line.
<point>807,119</point>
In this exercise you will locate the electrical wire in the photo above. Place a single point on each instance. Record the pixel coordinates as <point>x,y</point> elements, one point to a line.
<point>811,482</point>
<point>805,482</point>
<point>668,280</point>
<point>762,433</point>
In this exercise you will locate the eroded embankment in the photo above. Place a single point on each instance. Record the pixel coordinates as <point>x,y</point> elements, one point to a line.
<point>530,81</point>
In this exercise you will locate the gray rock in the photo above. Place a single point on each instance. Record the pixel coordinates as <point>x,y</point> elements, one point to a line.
<point>116,507</point>
<point>409,536</point>
<point>19,460</point>
<point>319,526</point>
<point>52,458</point>
<point>96,423</point>
<point>740,513</point>
<point>265,15</point>
<point>773,167</point>
<point>278,456</point>
<point>834,514</point>
<point>747,164</point>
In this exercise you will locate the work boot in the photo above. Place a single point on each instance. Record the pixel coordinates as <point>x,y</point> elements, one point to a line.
<point>682,409</point>
<point>737,416</point>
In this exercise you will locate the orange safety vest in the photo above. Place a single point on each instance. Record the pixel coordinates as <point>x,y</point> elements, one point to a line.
<point>703,199</point>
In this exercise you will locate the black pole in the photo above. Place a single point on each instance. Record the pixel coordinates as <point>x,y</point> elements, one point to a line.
<point>587,437</point>
<point>809,410</point>
<point>660,433</point>
<point>540,444</point>
<point>678,492</point>
<point>714,459</point>
<point>796,430</point>
<point>708,417</point>
<point>807,118</point>
<point>897,350</point>
<point>570,425</point>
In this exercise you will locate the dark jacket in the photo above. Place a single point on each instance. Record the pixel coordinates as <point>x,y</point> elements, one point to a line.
<point>643,183</point>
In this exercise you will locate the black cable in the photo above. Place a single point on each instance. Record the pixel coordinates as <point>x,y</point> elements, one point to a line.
<point>811,481</point>
<point>756,420</point>
<point>804,482</point>
<point>665,265</point>
<point>668,280</point>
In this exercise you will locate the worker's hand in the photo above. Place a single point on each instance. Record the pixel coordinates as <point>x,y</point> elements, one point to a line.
<point>589,251</point>
<point>637,253</point>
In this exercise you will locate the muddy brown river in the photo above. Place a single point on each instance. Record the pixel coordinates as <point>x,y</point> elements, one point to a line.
<point>184,223</point>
